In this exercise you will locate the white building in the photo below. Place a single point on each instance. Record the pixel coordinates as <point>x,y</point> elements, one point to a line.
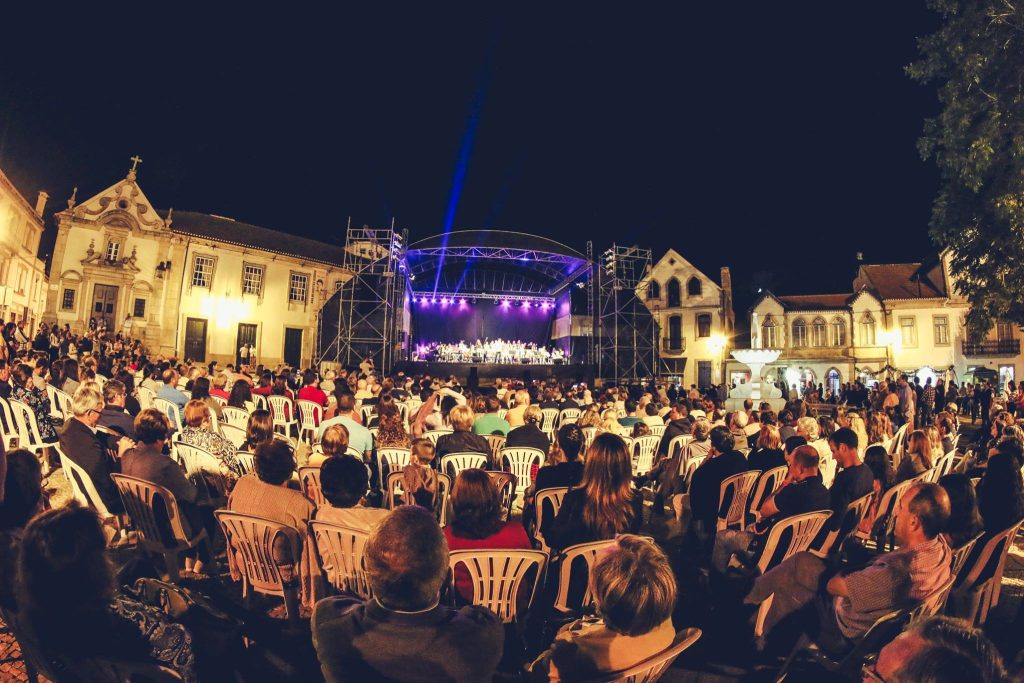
<point>902,317</point>
<point>193,285</point>
<point>22,273</point>
<point>695,318</point>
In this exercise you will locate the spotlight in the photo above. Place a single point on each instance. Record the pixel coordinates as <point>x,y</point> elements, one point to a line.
<point>433,301</point>
<point>462,302</point>
<point>444,301</point>
<point>506,303</point>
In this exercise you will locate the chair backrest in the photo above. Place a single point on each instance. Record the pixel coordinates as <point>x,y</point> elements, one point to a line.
<point>643,450</point>
<point>169,409</point>
<point>453,463</point>
<point>496,442</point>
<point>195,460</point>
<point>827,467</point>
<point>310,414</point>
<point>568,416</point>
<point>51,394</point>
<point>505,482</point>
<point>803,529</point>
<point>395,458</point>
<point>436,434</point>
<point>548,499</point>
<point>8,427</point>
<point>960,554</point>
<point>496,575</point>
<point>282,409</point>
<point>890,501</point>
<point>652,668</point>
<point>342,556</point>
<point>309,479</point>
<point>366,412</point>
<point>236,435</point>
<point>934,603</point>
<point>83,490</point>
<point>852,517</point>
<point>520,460</point>
<point>766,485</point>
<point>246,462</point>
<point>550,415</point>
<point>146,396</point>
<point>28,428</point>
<point>677,443</point>
<point>260,401</point>
<point>236,417</point>
<point>740,485</point>
<point>658,430</point>
<point>690,466</point>
<point>589,433</point>
<point>896,445</point>
<point>991,561</point>
<point>139,498</point>
<point>252,539</point>
<point>444,489</point>
<point>221,401</point>
<point>945,465</point>
<point>570,557</point>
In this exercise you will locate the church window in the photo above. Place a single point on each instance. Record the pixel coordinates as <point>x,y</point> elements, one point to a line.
<point>703,325</point>
<point>694,287</point>
<point>674,298</point>
<point>67,301</point>
<point>838,332</point>
<point>654,290</point>
<point>799,333</point>
<point>908,331</point>
<point>113,250</point>
<point>867,330</point>
<point>297,286</point>
<point>202,271</point>
<point>818,332</point>
<point>252,279</point>
<point>769,334</point>
<point>139,309</point>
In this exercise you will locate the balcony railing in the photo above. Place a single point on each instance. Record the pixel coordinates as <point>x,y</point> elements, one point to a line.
<point>668,347</point>
<point>992,347</point>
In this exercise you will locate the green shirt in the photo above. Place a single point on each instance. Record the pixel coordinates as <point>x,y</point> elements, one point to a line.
<point>491,423</point>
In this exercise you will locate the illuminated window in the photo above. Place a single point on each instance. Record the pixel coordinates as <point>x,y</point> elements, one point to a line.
<point>940,327</point>
<point>769,333</point>
<point>252,279</point>
<point>818,332</point>
<point>908,331</point>
<point>202,271</point>
<point>297,286</point>
<point>799,333</point>
<point>867,330</point>
<point>838,329</point>
<point>113,250</point>
<point>704,325</point>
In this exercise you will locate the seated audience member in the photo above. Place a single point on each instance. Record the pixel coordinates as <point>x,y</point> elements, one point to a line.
<point>529,435</point>
<point>24,389</point>
<point>419,479</point>
<point>677,423</point>
<point>1001,491</point>
<point>634,592</point>
<point>476,523</point>
<point>390,427</point>
<point>241,395</point>
<point>853,602</point>
<point>490,423</point>
<point>883,476</point>
<point>767,453</point>
<point>939,650</point>
<point>462,440</point>
<point>114,416</point>
<point>83,446</point>
<point>964,519</point>
<point>147,462</point>
<point>810,429</point>
<point>359,437</point>
<point>801,491</point>
<point>670,472</point>
<point>266,494</point>
<point>169,391</point>
<point>198,432</point>
<point>917,458</point>
<point>22,499</point>
<point>853,481</point>
<point>310,391</point>
<point>569,469</point>
<point>72,607</point>
<point>219,389</point>
<point>334,442</point>
<point>651,417</point>
<point>604,504</point>
<point>344,482</point>
<point>516,416</point>
<point>404,633</point>
<point>201,392</point>
<point>722,462</point>
<point>259,430</point>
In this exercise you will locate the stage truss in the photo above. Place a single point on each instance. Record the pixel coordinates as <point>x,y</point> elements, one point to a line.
<point>363,318</point>
<point>625,332</point>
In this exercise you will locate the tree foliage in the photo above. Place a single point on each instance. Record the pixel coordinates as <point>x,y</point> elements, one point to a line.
<point>976,59</point>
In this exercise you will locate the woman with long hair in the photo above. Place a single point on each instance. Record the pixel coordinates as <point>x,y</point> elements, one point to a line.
<point>856,423</point>
<point>604,504</point>
<point>71,379</point>
<point>241,395</point>
<point>259,430</point>
<point>964,519</point>
<point>201,392</point>
<point>390,429</point>
<point>917,459</point>
<point>879,428</point>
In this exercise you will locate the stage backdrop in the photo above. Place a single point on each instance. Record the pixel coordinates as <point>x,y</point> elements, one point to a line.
<point>484,320</point>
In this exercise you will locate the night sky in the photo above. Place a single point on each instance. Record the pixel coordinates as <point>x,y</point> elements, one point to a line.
<point>776,139</point>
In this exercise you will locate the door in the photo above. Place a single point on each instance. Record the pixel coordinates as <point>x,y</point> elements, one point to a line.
<point>293,346</point>
<point>104,305</point>
<point>195,339</point>
<point>246,335</point>
<point>703,374</point>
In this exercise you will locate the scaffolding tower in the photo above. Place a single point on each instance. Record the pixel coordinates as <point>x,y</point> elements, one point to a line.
<point>365,317</point>
<point>624,329</point>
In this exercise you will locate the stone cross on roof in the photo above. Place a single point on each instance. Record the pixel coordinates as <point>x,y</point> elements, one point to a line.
<point>136,160</point>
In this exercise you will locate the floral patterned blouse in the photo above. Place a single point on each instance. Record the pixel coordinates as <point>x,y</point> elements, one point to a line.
<point>170,643</point>
<point>221,448</point>
<point>39,402</point>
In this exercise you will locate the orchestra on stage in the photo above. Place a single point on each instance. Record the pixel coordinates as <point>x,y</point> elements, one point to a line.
<point>492,351</point>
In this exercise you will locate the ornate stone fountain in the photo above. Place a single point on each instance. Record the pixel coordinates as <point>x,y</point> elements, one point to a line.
<point>755,359</point>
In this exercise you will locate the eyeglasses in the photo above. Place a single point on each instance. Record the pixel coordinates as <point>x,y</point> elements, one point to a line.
<point>868,671</point>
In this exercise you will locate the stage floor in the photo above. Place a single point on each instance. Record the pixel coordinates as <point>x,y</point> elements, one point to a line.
<point>492,371</point>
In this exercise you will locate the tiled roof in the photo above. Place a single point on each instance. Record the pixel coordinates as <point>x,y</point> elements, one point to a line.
<point>902,280</point>
<point>814,302</point>
<point>245,235</point>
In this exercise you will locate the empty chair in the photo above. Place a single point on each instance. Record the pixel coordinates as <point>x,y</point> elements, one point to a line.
<point>568,416</point>
<point>887,511</point>
<point>546,504</point>
<point>310,416</point>
<point>739,486</point>
<point>496,576</point>
<point>236,417</point>
<point>548,423</point>
<point>141,501</point>
<point>341,553</point>
<point>55,408</point>
<point>199,462</point>
<point>658,430</point>
<point>677,443</point>
<point>453,463</point>
<point>83,489</point>
<point>260,401</point>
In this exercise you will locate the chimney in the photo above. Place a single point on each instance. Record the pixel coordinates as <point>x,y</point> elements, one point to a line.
<point>41,202</point>
<point>727,281</point>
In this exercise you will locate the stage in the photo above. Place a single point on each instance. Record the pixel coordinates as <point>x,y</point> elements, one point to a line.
<point>488,372</point>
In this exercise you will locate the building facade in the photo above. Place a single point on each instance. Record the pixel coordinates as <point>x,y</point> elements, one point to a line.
<point>22,272</point>
<point>190,285</point>
<point>694,316</point>
<point>898,318</point>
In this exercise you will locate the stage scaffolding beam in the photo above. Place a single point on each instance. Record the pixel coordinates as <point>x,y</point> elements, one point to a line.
<point>624,329</point>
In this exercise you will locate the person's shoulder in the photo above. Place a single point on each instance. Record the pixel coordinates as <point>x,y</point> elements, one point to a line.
<point>477,619</point>
<point>342,608</point>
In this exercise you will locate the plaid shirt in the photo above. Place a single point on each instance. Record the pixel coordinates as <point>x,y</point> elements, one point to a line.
<point>892,581</point>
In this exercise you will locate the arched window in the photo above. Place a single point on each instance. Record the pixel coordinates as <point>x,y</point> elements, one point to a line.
<point>704,325</point>
<point>819,332</point>
<point>838,331</point>
<point>674,298</point>
<point>654,290</point>
<point>693,287</point>
<point>833,382</point>
<point>769,334</point>
<point>867,329</point>
<point>675,333</point>
<point>799,333</point>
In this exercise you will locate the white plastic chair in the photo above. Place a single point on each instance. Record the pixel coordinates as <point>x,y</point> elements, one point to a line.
<point>282,410</point>
<point>652,668</point>
<point>8,427</point>
<point>568,416</point>
<point>548,423</point>
<point>852,517</point>
<point>83,489</point>
<point>643,450</point>
<point>658,430</point>
<point>309,479</point>
<point>145,396</point>
<point>55,410</point>
<point>978,591</point>
<point>259,402</point>
<point>496,576</point>
<point>766,485</point>
<point>139,498</point>
<point>221,401</point>
<point>236,417</point>
<point>589,433</point>
<point>436,434</point>
<point>63,403</point>
<point>171,410</point>
<point>246,462</point>
<point>310,416</point>
<point>585,552</point>
<point>236,435</point>
<point>505,482</point>
<point>827,467</point>
<point>28,430</point>
<point>341,551</point>
<point>394,489</point>
<point>547,499</point>
<point>519,462</point>
<point>887,510</point>
<point>395,458</point>
<point>198,462</point>
<point>740,484</point>
<point>453,463</point>
<point>496,442</point>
